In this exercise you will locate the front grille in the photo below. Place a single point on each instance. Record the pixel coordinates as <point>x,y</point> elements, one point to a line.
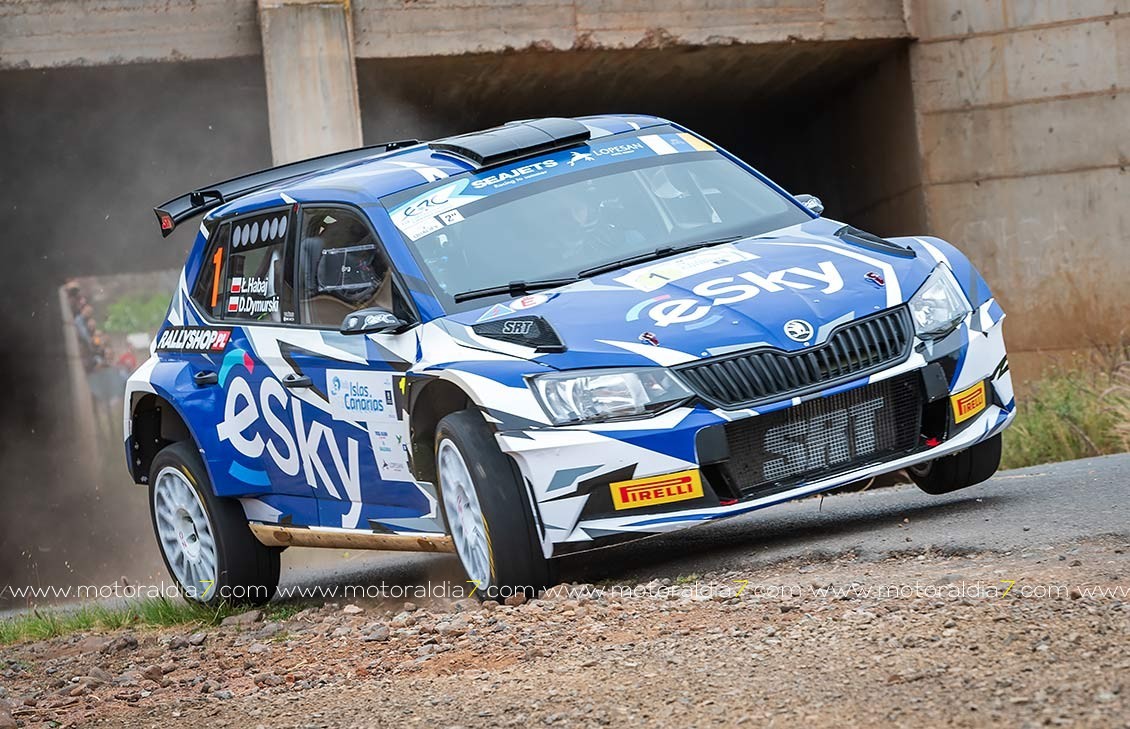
<point>825,436</point>
<point>765,374</point>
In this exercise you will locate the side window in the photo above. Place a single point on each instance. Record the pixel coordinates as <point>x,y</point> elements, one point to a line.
<point>209,290</point>
<point>343,268</point>
<point>258,277</point>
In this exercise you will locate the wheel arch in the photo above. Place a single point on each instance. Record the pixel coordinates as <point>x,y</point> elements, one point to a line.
<point>155,422</point>
<point>429,402</point>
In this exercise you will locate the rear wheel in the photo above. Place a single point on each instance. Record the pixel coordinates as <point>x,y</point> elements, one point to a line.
<point>205,541</point>
<point>487,510</point>
<point>965,468</point>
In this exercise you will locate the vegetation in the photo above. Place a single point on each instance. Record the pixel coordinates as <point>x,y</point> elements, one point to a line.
<point>136,313</point>
<point>1076,410</point>
<point>152,613</point>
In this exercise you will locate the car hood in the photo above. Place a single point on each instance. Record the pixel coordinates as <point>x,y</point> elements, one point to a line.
<point>753,292</point>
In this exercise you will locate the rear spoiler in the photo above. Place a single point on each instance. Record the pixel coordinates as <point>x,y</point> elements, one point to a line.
<point>176,211</point>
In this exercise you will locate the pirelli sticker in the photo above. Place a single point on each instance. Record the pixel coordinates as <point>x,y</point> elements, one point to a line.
<point>968,403</point>
<point>654,490</point>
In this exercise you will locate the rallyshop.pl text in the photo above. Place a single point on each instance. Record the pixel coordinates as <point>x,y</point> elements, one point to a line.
<point>695,591</point>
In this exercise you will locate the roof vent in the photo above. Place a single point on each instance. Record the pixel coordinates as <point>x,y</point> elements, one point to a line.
<point>514,140</point>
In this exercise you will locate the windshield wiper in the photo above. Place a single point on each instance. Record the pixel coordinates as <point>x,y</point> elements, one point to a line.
<point>658,253</point>
<point>514,288</point>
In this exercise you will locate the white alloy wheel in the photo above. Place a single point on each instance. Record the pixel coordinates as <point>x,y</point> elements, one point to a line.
<point>464,515</point>
<point>184,531</point>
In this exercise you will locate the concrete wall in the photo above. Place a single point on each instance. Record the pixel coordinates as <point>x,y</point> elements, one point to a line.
<point>45,33</point>
<point>1022,111</point>
<point>854,145</point>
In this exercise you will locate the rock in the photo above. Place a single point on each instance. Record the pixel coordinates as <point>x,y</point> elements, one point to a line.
<point>466,605</point>
<point>197,639</point>
<point>341,632</point>
<point>269,630</point>
<point>352,610</point>
<point>95,644</point>
<point>269,679</point>
<point>209,686</point>
<point>518,598</point>
<point>125,642</point>
<point>258,648</point>
<point>153,673</point>
<point>453,628</point>
<point>248,618</point>
<point>557,592</point>
<point>178,642</point>
<point>101,674</point>
<point>7,721</point>
<point>410,607</point>
<point>380,634</point>
<point>223,694</point>
<point>489,605</point>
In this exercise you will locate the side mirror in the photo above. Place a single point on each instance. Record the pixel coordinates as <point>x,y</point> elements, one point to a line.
<point>371,321</point>
<point>811,202</point>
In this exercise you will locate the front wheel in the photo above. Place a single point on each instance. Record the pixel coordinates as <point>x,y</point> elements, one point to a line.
<point>205,541</point>
<point>964,468</point>
<point>487,510</point>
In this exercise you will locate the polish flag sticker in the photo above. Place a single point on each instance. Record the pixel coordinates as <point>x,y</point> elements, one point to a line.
<point>233,304</point>
<point>236,284</point>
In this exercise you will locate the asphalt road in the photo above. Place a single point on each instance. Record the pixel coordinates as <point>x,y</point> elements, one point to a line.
<point>1022,510</point>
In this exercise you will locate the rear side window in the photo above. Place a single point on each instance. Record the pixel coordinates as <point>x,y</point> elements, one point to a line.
<point>258,280</point>
<point>209,289</point>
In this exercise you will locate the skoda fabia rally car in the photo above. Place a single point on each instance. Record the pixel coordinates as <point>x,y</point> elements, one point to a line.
<point>551,336</point>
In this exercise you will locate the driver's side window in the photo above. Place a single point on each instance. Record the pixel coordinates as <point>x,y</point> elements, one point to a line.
<point>343,268</point>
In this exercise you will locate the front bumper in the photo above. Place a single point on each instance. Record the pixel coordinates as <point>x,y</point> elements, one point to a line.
<point>817,444</point>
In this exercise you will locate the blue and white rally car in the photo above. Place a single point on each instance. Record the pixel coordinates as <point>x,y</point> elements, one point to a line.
<point>547,337</point>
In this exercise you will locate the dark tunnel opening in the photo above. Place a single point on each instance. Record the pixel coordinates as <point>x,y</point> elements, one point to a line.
<point>89,151</point>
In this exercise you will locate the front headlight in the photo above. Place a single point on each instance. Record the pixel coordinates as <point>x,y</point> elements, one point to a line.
<point>582,395</point>
<point>939,305</point>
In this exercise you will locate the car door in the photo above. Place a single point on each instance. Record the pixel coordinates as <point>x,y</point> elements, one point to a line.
<point>355,434</point>
<point>246,289</point>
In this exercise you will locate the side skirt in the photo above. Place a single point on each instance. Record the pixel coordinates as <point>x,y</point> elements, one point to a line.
<point>278,535</point>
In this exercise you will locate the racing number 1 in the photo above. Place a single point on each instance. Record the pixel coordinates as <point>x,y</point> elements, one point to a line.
<point>216,260</point>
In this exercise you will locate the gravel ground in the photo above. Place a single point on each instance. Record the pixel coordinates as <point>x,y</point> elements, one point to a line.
<point>927,638</point>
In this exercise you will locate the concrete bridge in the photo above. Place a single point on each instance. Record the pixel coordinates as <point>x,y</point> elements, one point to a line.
<point>998,124</point>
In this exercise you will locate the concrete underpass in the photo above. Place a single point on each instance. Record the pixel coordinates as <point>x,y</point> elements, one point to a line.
<point>982,124</point>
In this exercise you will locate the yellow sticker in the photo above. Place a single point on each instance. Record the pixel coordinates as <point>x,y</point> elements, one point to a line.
<point>654,490</point>
<point>968,403</point>
<point>695,142</point>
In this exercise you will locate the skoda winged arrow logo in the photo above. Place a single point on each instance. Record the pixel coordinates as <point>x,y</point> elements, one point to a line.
<point>798,330</point>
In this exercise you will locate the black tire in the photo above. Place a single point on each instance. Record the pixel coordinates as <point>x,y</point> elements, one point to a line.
<point>961,470</point>
<point>516,560</point>
<point>247,572</point>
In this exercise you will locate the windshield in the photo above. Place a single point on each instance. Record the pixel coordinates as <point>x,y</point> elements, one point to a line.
<point>553,216</point>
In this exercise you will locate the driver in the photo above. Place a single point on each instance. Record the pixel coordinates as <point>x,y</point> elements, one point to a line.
<point>590,227</point>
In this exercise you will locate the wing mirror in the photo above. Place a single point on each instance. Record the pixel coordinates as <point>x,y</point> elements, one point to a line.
<point>371,321</point>
<point>811,202</point>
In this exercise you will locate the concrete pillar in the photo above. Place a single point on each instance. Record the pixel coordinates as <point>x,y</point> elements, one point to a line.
<point>311,77</point>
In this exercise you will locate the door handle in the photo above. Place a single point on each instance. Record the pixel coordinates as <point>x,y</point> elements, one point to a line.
<point>295,380</point>
<point>203,378</point>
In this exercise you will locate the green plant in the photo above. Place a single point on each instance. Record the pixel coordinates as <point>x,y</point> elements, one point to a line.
<point>1071,412</point>
<point>157,612</point>
<point>136,313</point>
